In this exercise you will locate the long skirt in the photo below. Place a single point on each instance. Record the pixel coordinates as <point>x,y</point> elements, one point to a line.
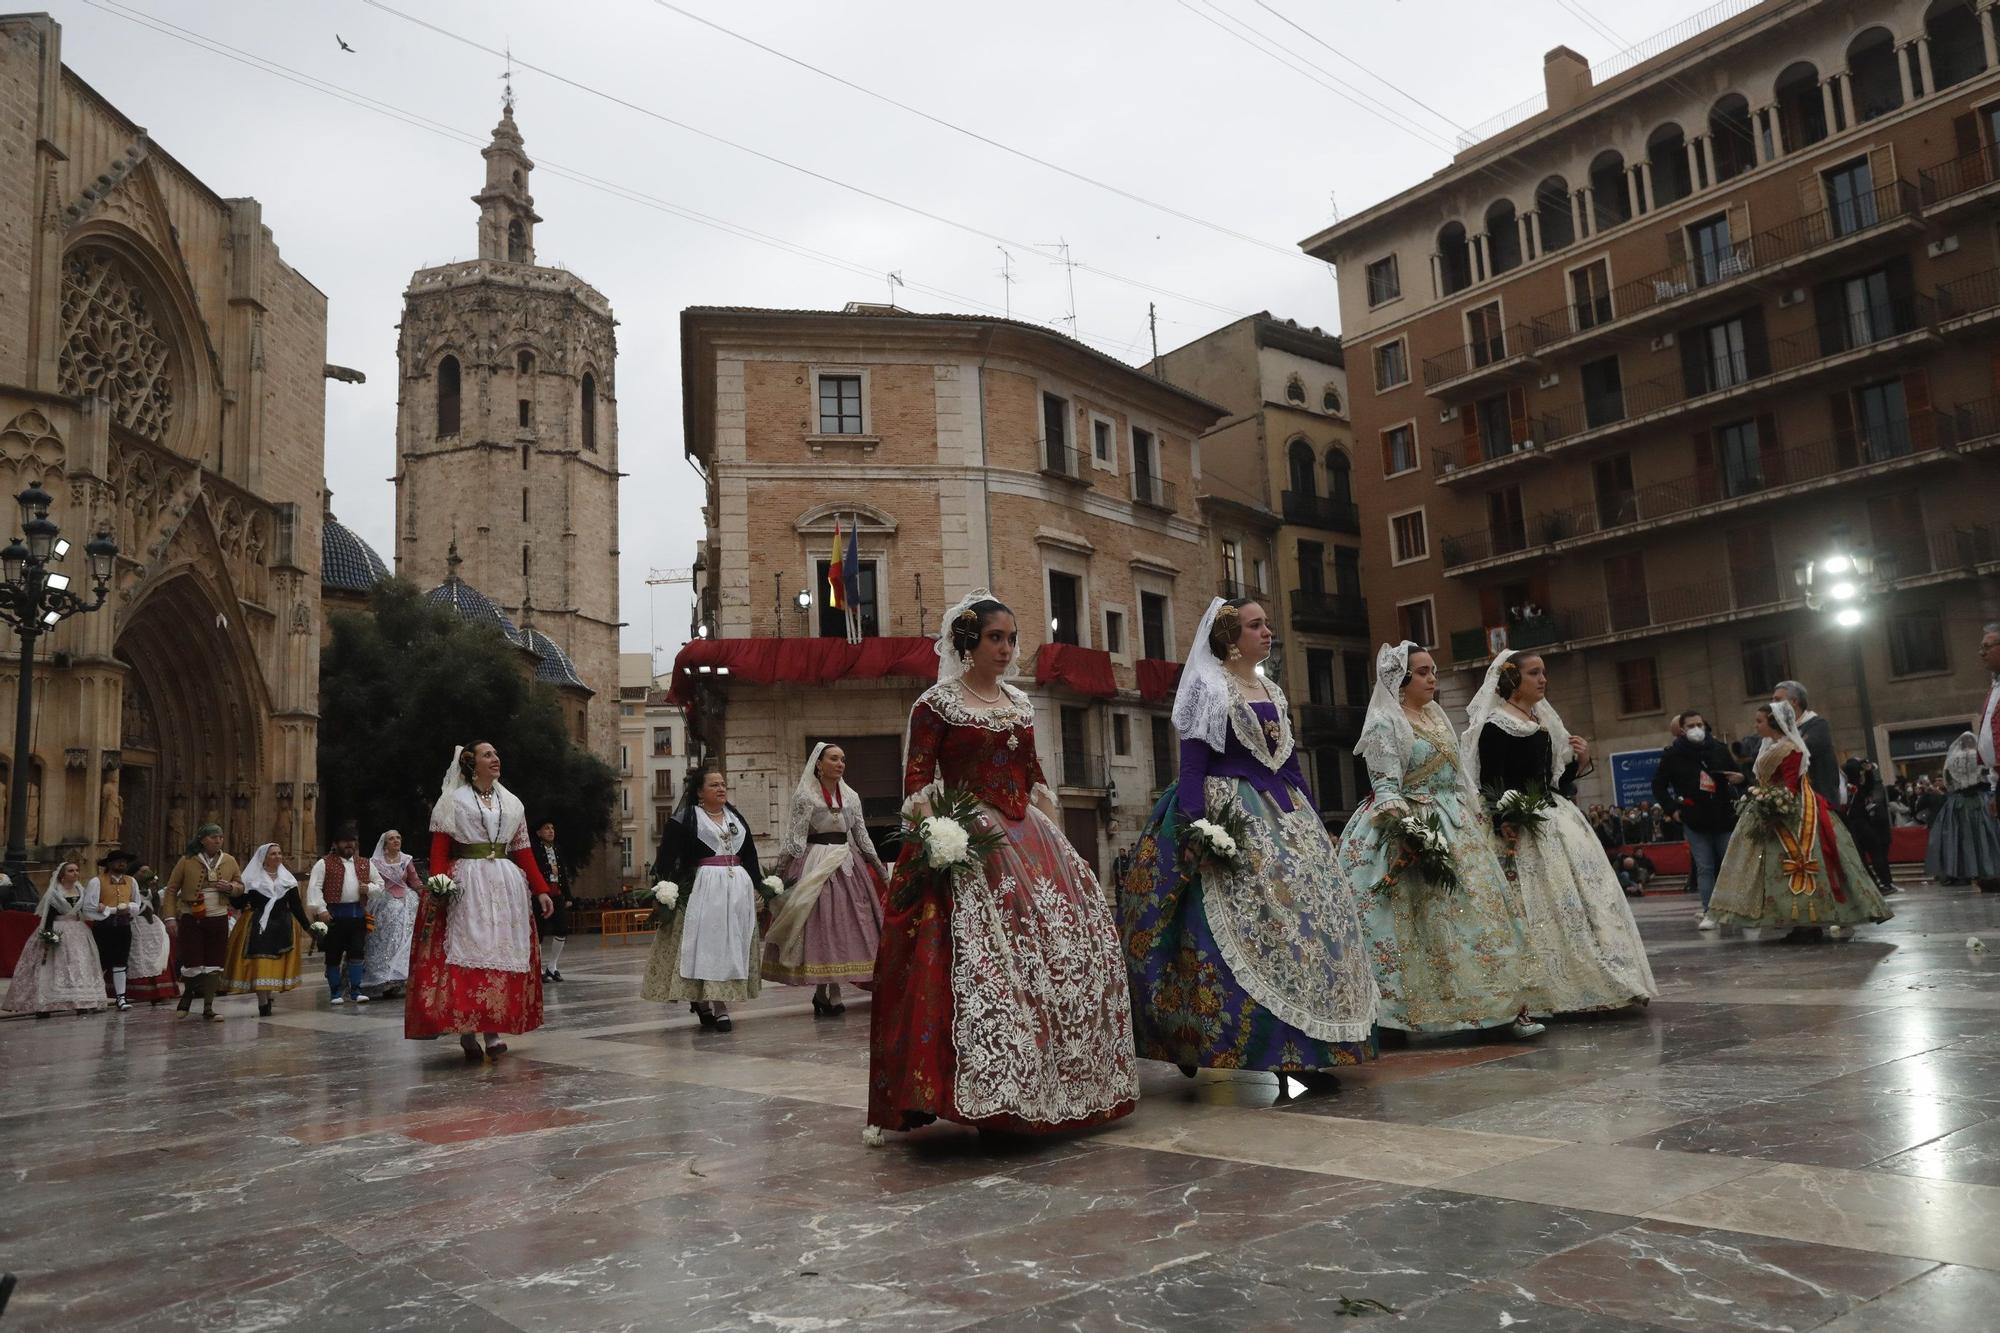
<point>1285,984</point>
<point>1578,923</point>
<point>447,997</point>
<point>708,951</point>
<point>149,975</point>
<point>1965,839</point>
<point>829,923</point>
<point>64,977</point>
<point>1819,880</point>
<point>1000,998</point>
<point>262,972</point>
<point>388,950</point>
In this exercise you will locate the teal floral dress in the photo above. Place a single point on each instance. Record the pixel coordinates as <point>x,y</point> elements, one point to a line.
<point>1443,961</point>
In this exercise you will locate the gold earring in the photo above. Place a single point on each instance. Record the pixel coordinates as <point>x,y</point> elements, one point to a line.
<point>1235,653</point>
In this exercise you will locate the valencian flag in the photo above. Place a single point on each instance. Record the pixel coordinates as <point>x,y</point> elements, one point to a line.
<point>835,584</point>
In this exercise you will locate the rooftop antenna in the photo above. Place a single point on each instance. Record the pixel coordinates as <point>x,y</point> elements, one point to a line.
<point>1333,202</point>
<point>895,281</point>
<point>507,82</point>
<point>1006,279</point>
<point>1069,270</point>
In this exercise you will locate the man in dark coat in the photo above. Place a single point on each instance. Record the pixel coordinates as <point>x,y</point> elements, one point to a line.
<point>1698,777</point>
<point>1823,768</point>
<point>1867,817</point>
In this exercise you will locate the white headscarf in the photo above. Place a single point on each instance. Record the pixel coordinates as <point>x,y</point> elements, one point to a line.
<point>1962,767</point>
<point>1485,706</point>
<point>454,778</point>
<point>267,886</point>
<point>1386,734</point>
<point>808,794</point>
<point>389,874</point>
<point>950,665</point>
<point>55,900</point>
<point>1204,698</point>
<point>1785,716</point>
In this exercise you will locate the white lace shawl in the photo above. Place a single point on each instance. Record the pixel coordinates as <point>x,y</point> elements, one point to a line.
<point>808,798</point>
<point>1386,735</point>
<point>267,886</point>
<point>1206,695</point>
<point>1486,707</point>
<point>1962,768</point>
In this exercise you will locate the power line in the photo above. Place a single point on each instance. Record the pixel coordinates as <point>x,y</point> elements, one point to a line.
<point>1291,251</point>
<point>820,176</point>
<point>417,120</point>
<point>1342,56</point>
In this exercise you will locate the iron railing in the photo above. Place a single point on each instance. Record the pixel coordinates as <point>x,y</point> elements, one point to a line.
<point>1959,175</point>
<point>1515,340</point>
<point>1322,511</point>
<point>1329,723</point>
<point>1329,612</point>
<point>1151,490</point>
<point>1059,460</point>
<point>1974,294</point>
<point>1080,768</point>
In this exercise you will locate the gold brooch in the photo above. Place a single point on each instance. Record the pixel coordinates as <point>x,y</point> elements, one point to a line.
<point>1013,741</point>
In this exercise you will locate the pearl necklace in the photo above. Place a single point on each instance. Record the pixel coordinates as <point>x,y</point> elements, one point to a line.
<point>997,699</point>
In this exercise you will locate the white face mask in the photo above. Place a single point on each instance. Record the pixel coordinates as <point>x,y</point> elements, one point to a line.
<point>1697,734</point>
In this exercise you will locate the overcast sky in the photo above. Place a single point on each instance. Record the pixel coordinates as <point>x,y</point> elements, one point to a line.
<point>1159,98</point>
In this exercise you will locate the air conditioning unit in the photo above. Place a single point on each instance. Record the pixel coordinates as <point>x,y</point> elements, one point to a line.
<point>1791,298</point>
<point>1664,341</point>
<point>1449,414</point>
<point>1949,245</point>
<point>1550,380</point>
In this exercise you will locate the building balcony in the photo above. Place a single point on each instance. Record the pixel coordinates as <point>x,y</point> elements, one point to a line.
<point>1960,183</point>
<point>1838,460</point>
<point>1681,290</point>
<point>1322,511</point>
<point>1231,590</point>
<point>1153,492</point>
<point>1971,427</point>
<point>1970,304</point>
<point>1066,464</point>
<point>1328,612</point>
<point>1081,770</point>
<point>1468,371</point>
<point>1329,724</point>
<point>1846,346</point>
<point>1540,630</point>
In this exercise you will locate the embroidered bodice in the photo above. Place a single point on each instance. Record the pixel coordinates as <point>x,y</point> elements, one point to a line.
<point>1258,750</point>
<point>1430,770</point>
<point>990,754</point>
<point>1515,754</point>
<point>1779,766</point>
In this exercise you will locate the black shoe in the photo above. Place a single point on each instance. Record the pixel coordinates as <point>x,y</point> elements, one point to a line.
<point>263,1008</point>
<point>722,1023</point>
<point>1188,1070</point>
<point>823,1008</point>
<point>708,1020</point>
<point>1316,1080</point>
<point>548,975</point>
<point>554,975</point>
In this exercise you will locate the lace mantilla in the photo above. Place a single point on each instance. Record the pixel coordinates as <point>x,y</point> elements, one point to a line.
<point>949,701</point>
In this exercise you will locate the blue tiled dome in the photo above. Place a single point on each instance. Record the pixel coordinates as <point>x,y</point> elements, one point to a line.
<point>470,604</point>
<point>346,563</point>
<point>555,667</point>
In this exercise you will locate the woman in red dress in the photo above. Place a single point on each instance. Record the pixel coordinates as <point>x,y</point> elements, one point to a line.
<point>475,965</point>
<point>1000,999</point>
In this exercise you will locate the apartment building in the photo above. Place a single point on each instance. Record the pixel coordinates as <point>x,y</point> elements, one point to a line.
<point>1633,362</point>
<point>956,452</point>
<point>1277,477</point>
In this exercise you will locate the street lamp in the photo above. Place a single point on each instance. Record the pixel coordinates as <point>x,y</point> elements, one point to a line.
<point>1842,584</point>
<point>35,599</point>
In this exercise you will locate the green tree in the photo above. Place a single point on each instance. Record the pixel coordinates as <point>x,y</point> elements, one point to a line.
<point>404,682</point>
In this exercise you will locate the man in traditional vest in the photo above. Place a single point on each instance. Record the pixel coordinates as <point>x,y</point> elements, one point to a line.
<point>197,903</point>
<point>110,901</point>
<point>554,927</point>
<point>337,894</point>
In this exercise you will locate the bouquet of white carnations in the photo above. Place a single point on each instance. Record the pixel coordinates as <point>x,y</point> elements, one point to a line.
<point>666,897</point>
<point>1523,807</point>
<point>1772,808</point>
<point>442,887</point>
<point>771,887</point>
<point>1219,838</point>
<point>1424,848</point>
<point>956,839</point>
<point>50,939</point>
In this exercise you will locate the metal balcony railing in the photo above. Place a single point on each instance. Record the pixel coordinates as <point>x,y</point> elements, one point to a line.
<point>1151,490</point>
<point>1503,346</point>
<point>1329,612</point>
<point>1959,176</point>
<point>1231,590</point>
<point>1080,768</point>
<point>1322,511</point>
<point>1324,724</point>
<point>1974,294</point>
<point>1059,460</point>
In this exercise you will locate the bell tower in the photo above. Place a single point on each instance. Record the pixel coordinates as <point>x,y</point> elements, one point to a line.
<point>507,438</point>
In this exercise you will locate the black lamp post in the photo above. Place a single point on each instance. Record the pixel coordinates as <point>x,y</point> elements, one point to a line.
<point>34,599</point>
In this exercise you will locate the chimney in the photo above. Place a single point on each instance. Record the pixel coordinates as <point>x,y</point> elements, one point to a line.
<point>1566,78</point>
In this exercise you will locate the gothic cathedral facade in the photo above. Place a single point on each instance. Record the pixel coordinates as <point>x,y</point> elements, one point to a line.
<point>507,436</point>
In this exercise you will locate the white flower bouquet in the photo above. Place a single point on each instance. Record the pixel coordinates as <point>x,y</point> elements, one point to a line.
<point>1219,839</point>
<point>772,887</point>
<point>955,839</point>
<point>441,887</point>
<point>1425,849</point>
<point>319,927</point>
<point>1522,807</point>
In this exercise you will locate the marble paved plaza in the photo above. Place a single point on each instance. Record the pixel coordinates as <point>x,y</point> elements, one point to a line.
<point>1791,1138</point>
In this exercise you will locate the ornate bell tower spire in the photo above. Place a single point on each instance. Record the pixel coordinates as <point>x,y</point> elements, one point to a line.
<point>507,214</point>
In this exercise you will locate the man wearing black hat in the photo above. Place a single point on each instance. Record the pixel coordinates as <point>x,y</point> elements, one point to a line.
<point>197,902</point>
<point>110,901</point>
<point>337,894</point>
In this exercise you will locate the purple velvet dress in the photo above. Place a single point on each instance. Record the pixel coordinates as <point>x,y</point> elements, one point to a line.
<point>1259,963</point>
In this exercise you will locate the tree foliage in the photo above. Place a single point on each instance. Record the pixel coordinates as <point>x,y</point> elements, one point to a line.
<point>404,682</point>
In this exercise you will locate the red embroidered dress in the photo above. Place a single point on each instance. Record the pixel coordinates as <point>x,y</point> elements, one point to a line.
<point>1004,1005</point>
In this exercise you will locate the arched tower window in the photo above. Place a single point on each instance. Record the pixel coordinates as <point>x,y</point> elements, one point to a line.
<point>1295,390</point>
<point>525,362</point>
<point>517,243</point>
<point>1956,51</point>
<point>1667,155</point>
<point>1300,456</point>
<point>1503,236</point>
<point>589,411</point>
<point>1553,219</point>
<point>447,397</point>
<point>1330,399</point>
<point>1801,111</point>
<point>1454,257</point>
<point>1339,476</point>
<point>1611,201</point>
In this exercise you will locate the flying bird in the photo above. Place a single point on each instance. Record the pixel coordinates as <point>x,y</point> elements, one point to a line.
<point>343,45</point>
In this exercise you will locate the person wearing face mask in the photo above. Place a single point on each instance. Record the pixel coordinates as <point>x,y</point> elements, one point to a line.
<point>1699,777</point>
<point>1579,924</point>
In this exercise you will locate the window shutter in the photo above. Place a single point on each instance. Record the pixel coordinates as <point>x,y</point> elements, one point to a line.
<point>1769,455</point>
<point>1917,402</point>
<point>1388,455</point>
<point>1706,488</point>
<point>1965,134</point>
<point>1756,345</point>
<point>1881,172</point>
<point>1694,372</point>
<point>1902,291</point>
<point>1812,198</point>
<point>1827,312</point>
<point>1677,247</point>
<point>1517,415</point>
<point>1468,420</point>
<point>1739,224</point>
<point>1842,414</point>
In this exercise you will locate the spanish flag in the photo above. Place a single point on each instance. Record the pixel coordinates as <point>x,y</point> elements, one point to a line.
<point>835,596</point>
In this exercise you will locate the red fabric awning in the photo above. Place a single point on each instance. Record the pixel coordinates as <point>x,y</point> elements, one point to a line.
<point>801,661</point>
<point>1085,670</point>
<point>1158,679</point>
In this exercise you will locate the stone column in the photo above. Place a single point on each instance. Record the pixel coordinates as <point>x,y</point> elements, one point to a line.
<point>1903,72</point>
<point>1985,16</point>
<point>1583,208</point>
<point>1847,98</point>
<point>1479,267</point>
<point>1643,179</point>
<point>1531,236</point>
<point>1826,103</point>
<point>1924,64</point>
<point>1695,173</point>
